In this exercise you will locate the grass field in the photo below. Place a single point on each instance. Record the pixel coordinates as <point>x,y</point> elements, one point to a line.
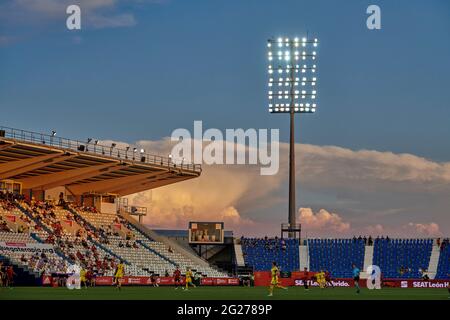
<point>218,293</point>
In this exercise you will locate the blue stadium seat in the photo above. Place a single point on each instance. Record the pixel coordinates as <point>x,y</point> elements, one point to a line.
<point>407,254</point>
<point>443,269</point>
<point>260,253</point>
<point>336,256</point>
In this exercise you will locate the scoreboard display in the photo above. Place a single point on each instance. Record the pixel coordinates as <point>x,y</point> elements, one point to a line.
<point>206,232</point>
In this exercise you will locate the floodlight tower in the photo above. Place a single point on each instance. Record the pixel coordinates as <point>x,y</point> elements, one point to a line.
<point>292,89</point>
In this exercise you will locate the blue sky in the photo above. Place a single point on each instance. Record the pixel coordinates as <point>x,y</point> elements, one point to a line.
<point>177,61</point>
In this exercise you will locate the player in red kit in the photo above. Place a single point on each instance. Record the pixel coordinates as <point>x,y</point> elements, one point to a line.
<point>10,276</point>
<point>305,279</point>
<point>177,278</point>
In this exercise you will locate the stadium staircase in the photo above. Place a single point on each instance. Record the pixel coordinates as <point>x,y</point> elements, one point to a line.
<point>434,261</point>
<point>239,255</point>
<point>157,253</point>
<point>159,238</point>
<point>76,214</point>
<point>368,261</point>
<point>29,215</point>
<point>104,248</point>
<point>303,253</point>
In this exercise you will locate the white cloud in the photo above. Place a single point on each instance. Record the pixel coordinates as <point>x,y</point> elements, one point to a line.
<point>424,229</point>
<point>364,192</point>
<point>322,222</point>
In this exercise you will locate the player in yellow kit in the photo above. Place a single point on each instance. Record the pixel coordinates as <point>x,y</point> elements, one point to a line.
<point>320,277</point>
<point>275,273</point>
<point>189,279</point>
<point>83,277</point>
<point>118,275</point>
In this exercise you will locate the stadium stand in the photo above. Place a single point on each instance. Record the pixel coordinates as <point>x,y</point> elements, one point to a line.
<point>260,253</point>
<point>95,240</point>
<point>32,263</point>
<point>402,258</point>
<point>336,255</point>
<point>98,241</point>
<point>443,269</point>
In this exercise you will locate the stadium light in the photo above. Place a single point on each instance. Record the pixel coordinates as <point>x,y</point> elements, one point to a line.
<point>292,88</point>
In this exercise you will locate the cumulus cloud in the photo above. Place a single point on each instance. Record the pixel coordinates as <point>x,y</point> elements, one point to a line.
<point>322,222</point>
<point>353,192</point>
<point>424,229</point>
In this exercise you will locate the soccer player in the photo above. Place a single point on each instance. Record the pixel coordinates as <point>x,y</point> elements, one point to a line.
<point>83,279</point>
<point>10,277</point>
<point>356,273</point>
<point>118,274</point>
<point>275,273</point>
<point>305,278</point>
<point>153,280</point>
<point>189,279</point>
<point>328,280</point>
<point>320,277</point>
<point>177,278</point>
<point>448,287</point>
<point>1,274</point>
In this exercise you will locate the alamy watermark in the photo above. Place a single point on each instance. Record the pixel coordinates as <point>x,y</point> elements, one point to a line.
<point>236,146</point>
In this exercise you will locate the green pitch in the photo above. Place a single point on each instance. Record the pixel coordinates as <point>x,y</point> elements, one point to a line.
<point>219,293</point>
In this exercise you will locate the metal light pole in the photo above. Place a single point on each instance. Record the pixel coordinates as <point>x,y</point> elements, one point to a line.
<point>289,54</point>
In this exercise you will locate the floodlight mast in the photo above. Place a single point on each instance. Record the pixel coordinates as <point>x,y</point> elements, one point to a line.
<point>294,107</point>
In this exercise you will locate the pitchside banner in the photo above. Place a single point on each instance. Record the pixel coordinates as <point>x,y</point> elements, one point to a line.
<point>23,247</point>
<point>162,281</point>
<point>262,278</point>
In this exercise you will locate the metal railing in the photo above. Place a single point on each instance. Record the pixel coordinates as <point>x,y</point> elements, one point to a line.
<point>93,147</point>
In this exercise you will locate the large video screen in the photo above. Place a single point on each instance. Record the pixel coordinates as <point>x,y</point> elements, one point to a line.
<point>206,232</point>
